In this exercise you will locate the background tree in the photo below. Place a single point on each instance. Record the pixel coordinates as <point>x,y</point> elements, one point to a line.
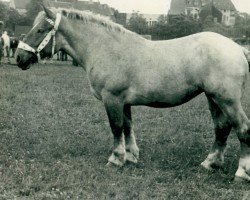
<point>12,18</point>
<point>213,26</point>
<point>9,16</point>
<point>160,29</point>
<point>3,12</point>
<point>33,8</point>
<point>138,23</point>
<point>242,26</point>
<point>181,25</point>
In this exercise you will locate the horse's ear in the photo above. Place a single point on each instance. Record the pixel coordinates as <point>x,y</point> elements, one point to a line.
<point>49,13</point>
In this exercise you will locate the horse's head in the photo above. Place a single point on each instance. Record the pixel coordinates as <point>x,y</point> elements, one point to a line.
<point>40,42</point>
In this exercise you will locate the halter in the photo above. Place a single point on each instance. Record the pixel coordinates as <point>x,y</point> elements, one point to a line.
<point>46,40</point>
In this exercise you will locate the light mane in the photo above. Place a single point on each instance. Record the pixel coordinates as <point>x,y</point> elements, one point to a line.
<point>86,17</point>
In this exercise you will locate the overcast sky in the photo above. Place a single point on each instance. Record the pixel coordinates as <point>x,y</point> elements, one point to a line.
<point>159,6</point>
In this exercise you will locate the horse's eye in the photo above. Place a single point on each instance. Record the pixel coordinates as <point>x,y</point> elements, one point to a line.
<point>40,30</point>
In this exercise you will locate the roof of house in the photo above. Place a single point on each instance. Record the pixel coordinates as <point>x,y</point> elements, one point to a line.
<point>224,4</point>
<point>61,4</point>
<point>210,10</point>
<point>178,6</point>
<point>94,7</point>
<point>21,4</point>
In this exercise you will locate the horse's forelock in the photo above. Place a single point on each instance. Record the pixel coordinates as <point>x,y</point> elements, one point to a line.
<point>41,15</point>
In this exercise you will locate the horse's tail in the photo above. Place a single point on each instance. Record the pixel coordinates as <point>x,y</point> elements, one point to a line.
<point>247,54</point>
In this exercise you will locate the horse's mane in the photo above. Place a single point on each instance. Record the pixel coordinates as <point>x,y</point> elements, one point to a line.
<point>85,17</point>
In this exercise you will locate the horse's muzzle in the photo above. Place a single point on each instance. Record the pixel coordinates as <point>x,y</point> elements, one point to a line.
<point>21,64</point>
<point>24,64</point>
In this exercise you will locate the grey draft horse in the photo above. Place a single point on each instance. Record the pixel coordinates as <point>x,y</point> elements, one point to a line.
<point>126,70</point>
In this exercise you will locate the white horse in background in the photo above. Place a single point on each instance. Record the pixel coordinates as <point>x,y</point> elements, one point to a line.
<point>6,45</point>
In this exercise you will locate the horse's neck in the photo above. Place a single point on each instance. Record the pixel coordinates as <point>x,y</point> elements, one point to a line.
<point>88,40</point>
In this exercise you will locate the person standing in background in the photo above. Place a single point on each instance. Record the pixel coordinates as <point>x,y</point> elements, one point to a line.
<point>6,45</point>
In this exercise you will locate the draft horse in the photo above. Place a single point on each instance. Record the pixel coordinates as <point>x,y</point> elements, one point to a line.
<point>126,70</point>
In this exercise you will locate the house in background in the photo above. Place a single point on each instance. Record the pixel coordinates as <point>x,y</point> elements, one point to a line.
<point>92,6</point>
<point>210,10</point>
<point>151,19</point>
<point>193,8</point>
<point>186,7</point>
<point>228,11</point>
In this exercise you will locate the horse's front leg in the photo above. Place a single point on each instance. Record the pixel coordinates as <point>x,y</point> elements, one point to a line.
<point>8,53</point>
<point>132,150</point>
<point>114,108</point>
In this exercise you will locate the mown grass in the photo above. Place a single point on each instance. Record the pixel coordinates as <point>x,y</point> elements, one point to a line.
<point>55,140</point>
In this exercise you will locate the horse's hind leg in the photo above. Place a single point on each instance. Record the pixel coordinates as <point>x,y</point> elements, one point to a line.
<point>233,109</point>
<point>222,129</point>
<point>132,150</point>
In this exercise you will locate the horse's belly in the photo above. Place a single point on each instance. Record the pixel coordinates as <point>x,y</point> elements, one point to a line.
<point>166,99</point>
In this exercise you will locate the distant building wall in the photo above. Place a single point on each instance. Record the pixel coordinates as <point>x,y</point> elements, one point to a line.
<point>228,17</point>
<point>151,19</point>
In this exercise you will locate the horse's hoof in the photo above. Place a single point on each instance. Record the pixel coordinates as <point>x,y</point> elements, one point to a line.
<point>206,165</point>
<point>115,161</point>
<point>211,166</point>
<point>131,158</point>
<point>239,179</point>
<point>109,164</point>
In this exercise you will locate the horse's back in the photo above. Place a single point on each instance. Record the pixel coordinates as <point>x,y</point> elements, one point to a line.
<point>203,54</point>
<point>177,70</point>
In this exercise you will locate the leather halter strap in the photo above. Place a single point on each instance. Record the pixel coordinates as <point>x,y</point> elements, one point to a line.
<point>43,44</point>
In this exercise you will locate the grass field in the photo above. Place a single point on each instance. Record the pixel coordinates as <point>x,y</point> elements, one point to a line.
<point>55,140</point>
